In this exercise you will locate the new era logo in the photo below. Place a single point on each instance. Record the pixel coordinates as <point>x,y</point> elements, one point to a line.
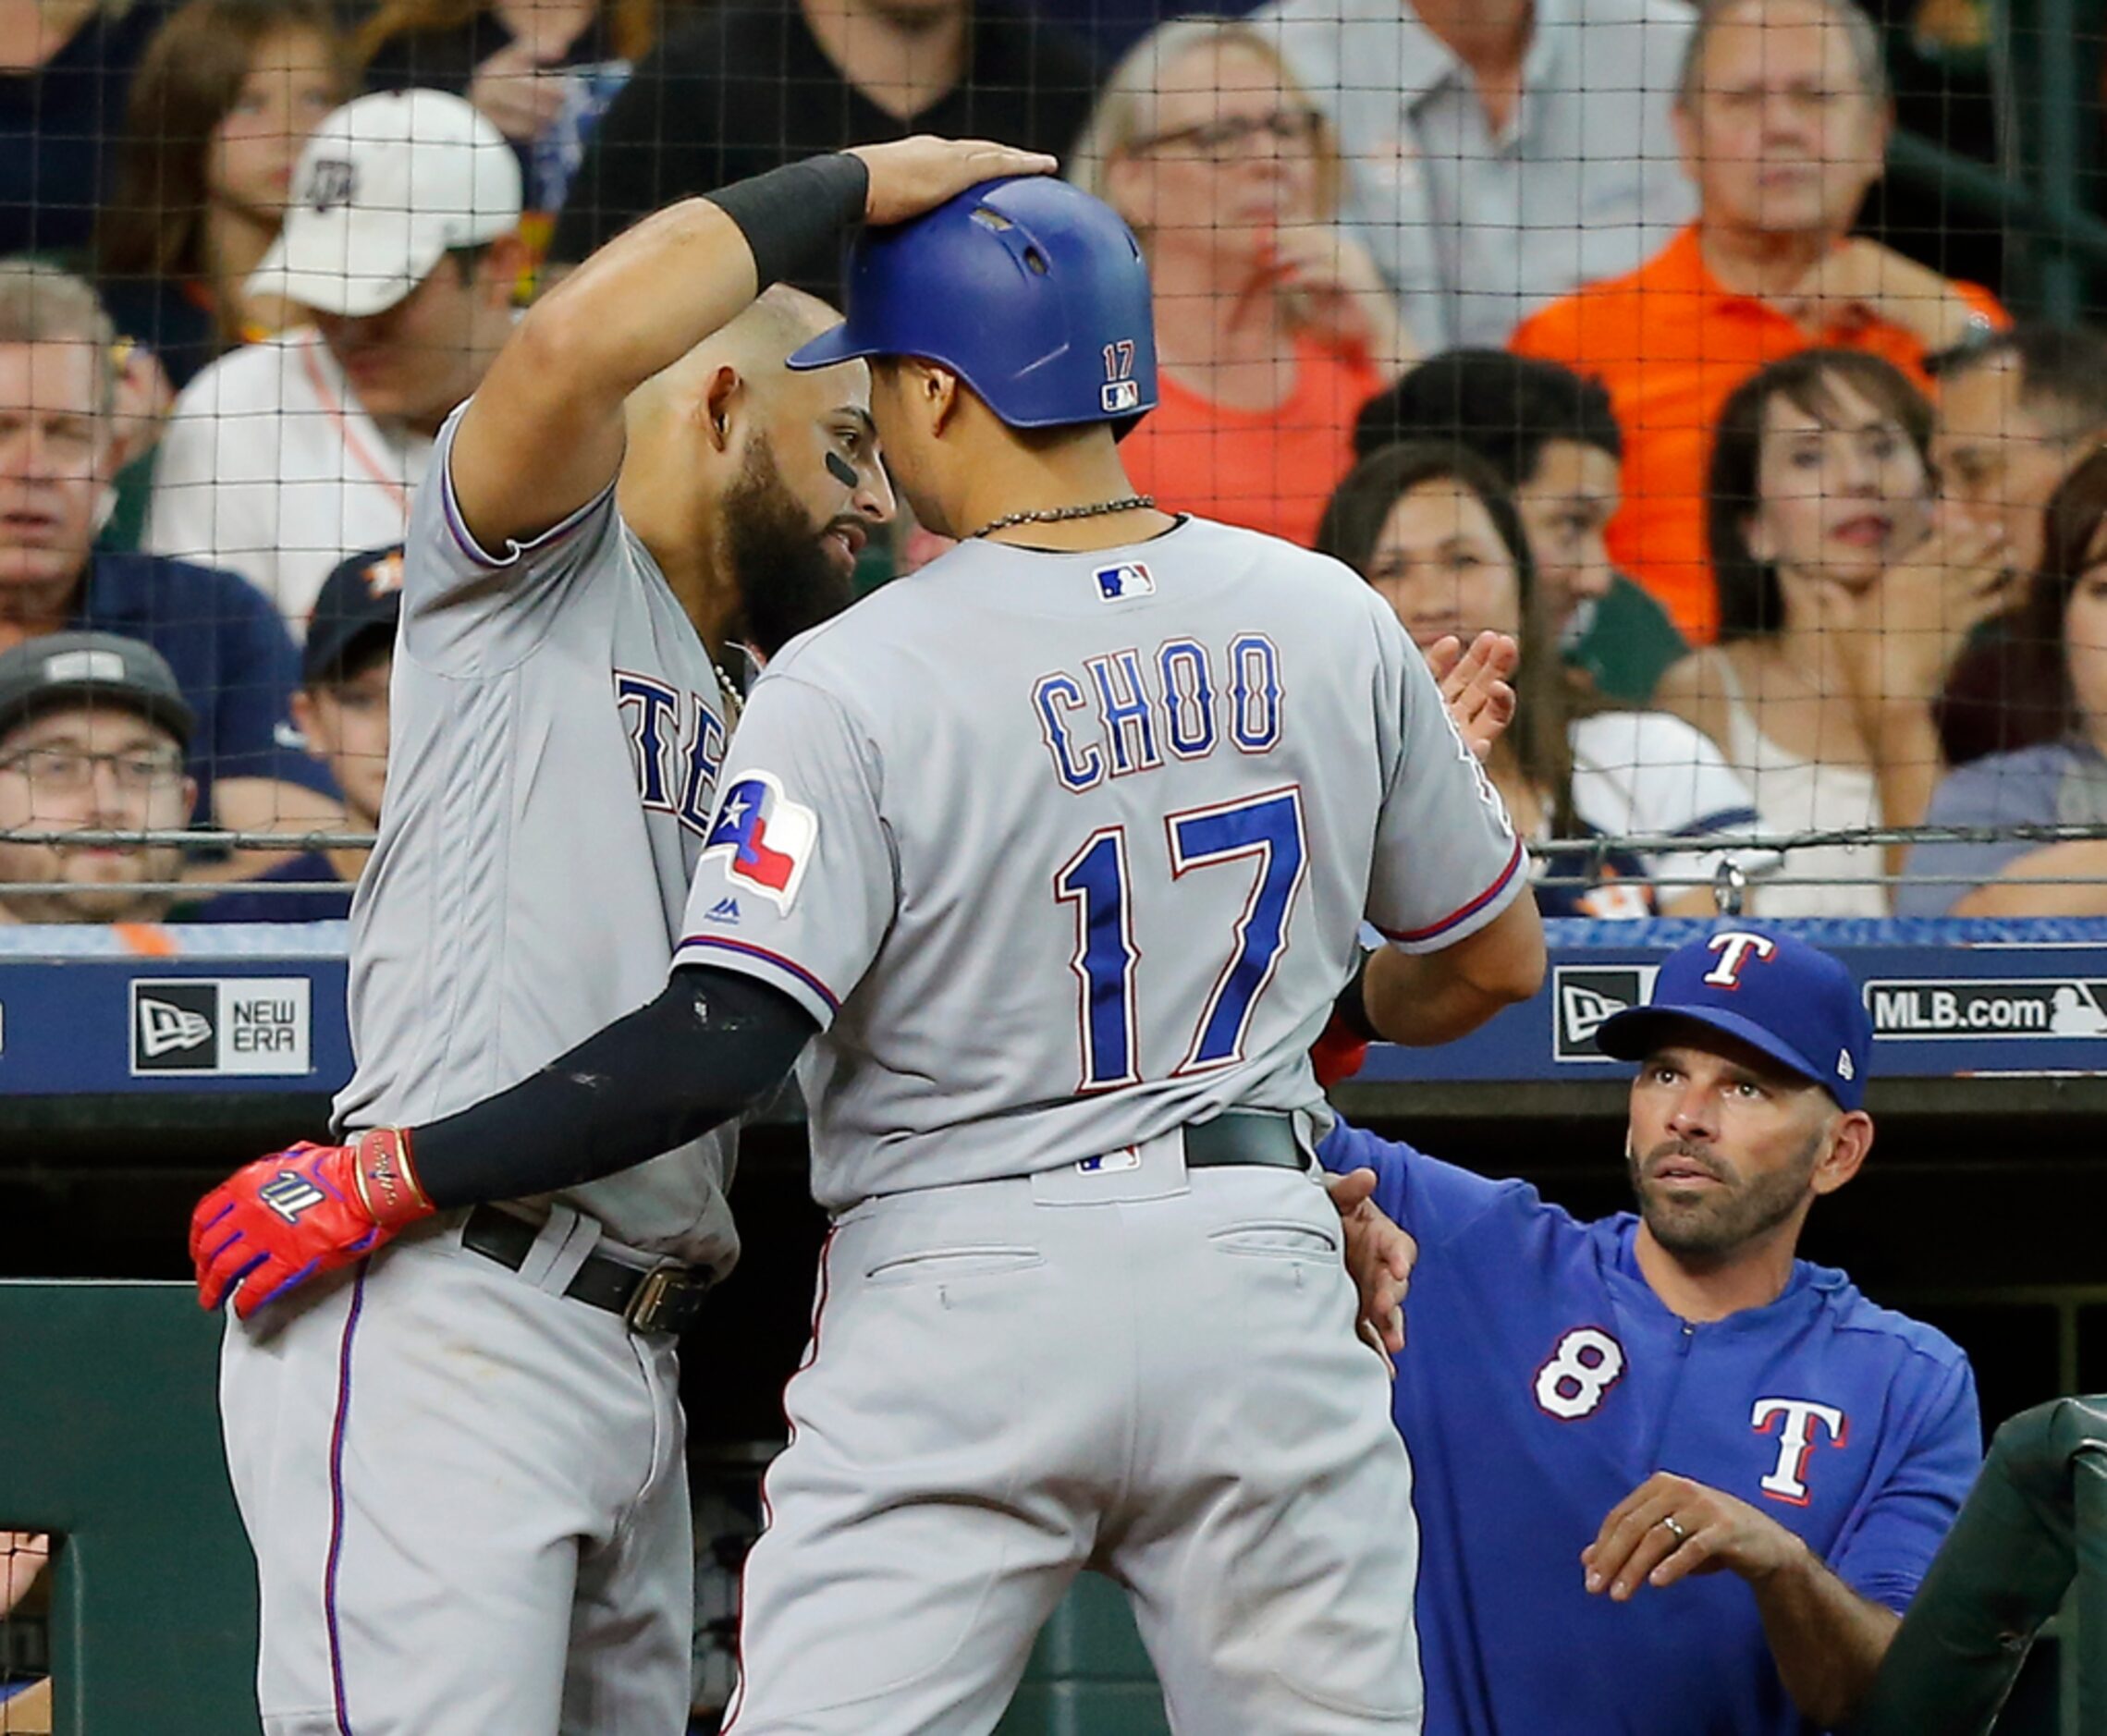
<point>1130,578</point>
<point>1586,998</point>
<point>223,1025</point>
<point>165,1028</point>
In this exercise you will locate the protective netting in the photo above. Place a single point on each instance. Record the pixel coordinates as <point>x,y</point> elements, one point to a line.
<point>1740,363</point>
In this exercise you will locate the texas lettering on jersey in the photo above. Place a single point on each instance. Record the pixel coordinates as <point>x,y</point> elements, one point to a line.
<point>677,748</point>
<point>1124,711</point>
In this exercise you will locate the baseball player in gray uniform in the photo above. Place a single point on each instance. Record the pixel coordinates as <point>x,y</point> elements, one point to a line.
<point>461,1465</point>
<point>1061,849</point>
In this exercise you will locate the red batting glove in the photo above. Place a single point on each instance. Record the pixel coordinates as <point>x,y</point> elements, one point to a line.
<point>1337,1054</point>
<point>310,1209</point>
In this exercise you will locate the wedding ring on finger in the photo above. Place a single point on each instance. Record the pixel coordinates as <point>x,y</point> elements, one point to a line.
<point>1676,1530</point>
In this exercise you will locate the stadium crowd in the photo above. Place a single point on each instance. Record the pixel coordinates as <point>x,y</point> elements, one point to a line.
<point>1551,319</point>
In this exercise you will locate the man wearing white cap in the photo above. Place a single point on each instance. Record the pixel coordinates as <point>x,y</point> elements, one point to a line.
<point>284,457</point>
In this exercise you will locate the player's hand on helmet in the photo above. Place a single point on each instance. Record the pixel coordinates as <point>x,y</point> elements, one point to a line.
<point>911,176</point>
<point>284,1219</point>
<point>1711,1531</point>
<point>1475,684</point>
<point>1379,1257</point>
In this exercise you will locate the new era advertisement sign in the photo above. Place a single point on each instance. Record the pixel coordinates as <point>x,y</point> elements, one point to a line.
<point>245,1025</point>
<point>1979,1008</point>
<point>1586,996</point>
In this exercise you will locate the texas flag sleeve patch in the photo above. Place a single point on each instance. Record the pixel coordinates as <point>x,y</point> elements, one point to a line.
<point>766,840</point>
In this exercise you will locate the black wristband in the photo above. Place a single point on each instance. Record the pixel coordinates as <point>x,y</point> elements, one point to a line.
<point>1351,1006</point>
<point>794,216</point>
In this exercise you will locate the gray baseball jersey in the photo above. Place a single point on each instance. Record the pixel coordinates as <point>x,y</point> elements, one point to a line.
<point>1064,851</point>
<point>556,737</point>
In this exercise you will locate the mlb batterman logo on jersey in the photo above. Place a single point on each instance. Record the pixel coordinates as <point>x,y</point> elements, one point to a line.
<point>767,838</point>
<point>1130,578</point>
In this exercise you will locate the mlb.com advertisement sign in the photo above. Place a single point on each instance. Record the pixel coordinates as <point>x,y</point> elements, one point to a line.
<point>254,1026</point>
<point>1976,1009</point>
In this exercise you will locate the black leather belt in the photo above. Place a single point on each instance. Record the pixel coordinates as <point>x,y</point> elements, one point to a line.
<point>1243,1136</point>
<point>665,1299</point>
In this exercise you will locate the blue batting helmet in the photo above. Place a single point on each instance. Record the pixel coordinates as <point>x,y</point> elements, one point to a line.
<point>1030,291</point>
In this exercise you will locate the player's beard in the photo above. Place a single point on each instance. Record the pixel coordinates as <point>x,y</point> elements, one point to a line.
<point>787,581</point>
<point>1706,1225</point>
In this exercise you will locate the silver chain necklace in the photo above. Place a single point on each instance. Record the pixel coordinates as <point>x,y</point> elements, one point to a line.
<point>1056,515</point>
<point>733,702</point>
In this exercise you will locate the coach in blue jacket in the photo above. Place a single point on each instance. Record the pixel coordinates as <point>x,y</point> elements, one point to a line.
<point>1670,1479</point>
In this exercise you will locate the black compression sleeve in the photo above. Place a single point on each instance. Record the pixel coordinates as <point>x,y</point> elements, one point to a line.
<point>793,218</point>
<point>710,1046</point>
<point>1351,1006</point>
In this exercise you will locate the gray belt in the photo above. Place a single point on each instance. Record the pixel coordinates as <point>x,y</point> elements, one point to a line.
<point>1243,1136</point>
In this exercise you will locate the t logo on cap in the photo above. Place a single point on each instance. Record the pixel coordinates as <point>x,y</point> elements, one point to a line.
<point>1736,948</point>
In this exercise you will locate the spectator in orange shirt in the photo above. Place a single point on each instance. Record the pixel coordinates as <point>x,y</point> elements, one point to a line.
<point>1272,326</point>
<point>1782,118</point>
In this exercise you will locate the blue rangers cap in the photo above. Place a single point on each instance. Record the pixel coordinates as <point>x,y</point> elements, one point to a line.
<point>1776,993</point>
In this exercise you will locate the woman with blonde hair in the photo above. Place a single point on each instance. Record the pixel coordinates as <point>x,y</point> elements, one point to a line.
<point>1273,326</point>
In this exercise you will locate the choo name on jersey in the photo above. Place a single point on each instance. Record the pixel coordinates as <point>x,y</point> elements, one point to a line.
<point>676,745</point>
<point>1128,710</point>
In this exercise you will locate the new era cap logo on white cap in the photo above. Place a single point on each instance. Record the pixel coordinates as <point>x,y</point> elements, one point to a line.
<point>387,186</point>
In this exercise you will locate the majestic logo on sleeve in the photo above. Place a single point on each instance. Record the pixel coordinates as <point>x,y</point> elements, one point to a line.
<point>767,839</point>
<point>1794,1420</point>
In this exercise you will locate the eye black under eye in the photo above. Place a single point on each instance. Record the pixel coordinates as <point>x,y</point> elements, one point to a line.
<point>840,470</point>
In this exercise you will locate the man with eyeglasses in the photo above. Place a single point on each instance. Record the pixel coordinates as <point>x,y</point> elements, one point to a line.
<point>231,657</point>
<point>93,731</point>
<point>1781,119</point>
<point>1503,151</point>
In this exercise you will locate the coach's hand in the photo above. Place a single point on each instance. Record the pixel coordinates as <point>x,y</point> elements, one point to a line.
<point>1380,1258</point>
<point>310,1209</point>
<point>1671,1527</point>
<point>911,176</point>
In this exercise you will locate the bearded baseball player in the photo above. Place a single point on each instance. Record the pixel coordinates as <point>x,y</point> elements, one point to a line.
<point>461,1466</point>
<point>1060,851</point>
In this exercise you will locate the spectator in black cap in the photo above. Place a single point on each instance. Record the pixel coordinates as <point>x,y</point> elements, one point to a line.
<point>342,709</point>
<point>92,734</point>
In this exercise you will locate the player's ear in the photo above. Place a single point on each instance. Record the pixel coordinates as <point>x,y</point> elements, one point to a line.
<point>1849,1142</point>
<point>719,404</point>
<point>940,392</point>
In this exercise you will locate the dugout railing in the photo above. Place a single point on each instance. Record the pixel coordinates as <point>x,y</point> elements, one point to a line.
<point>2033,1529</point>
